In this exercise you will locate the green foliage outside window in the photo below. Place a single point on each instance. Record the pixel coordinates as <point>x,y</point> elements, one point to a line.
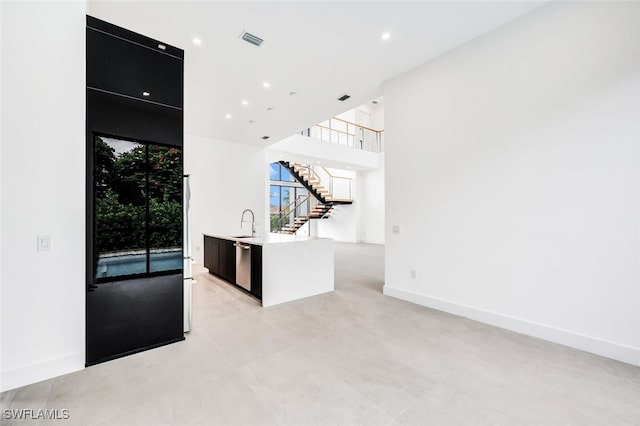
<point>123,189</point>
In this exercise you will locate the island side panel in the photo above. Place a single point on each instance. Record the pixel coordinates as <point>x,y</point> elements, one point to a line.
<point>296,270</point>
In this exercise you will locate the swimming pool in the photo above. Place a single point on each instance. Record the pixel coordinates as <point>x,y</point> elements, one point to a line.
<point>136,263</point>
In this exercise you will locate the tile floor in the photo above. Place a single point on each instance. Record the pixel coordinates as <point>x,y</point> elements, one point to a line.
<point>351,357</point>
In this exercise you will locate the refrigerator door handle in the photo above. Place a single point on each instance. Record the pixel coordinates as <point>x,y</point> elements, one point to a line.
<point>186,250</point>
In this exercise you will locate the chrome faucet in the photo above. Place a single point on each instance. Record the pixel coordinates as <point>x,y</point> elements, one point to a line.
<point>253,221</point>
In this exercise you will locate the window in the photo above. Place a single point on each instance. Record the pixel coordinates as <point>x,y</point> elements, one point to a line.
<point>280,173</point>
<point>285,194</point>
<point>137,208</point>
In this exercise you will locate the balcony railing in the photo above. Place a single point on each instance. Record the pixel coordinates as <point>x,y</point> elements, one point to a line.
<point>343,132</point>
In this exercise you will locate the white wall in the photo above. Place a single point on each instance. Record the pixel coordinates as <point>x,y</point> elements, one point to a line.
<point>375,112</point>
<point>377,117</point>
<point>521,152</point>
<point>226,178</point>
<point>342,225</point>
<point>370,200</point>
<point>43,190</point>
<point>349,115</point>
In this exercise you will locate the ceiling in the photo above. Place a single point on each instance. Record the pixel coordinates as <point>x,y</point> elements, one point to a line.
<point>319,50</point>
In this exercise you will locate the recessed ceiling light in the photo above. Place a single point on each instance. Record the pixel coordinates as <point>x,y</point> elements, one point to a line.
<point>251,121</point>
<point>292,93</point>
<point>228,116</point>
<point>385,36</point>
<point>270,108</point>
<point>146,94</point>
<point>197,41</point>
<point>266,84</point>
<point>244,102</point>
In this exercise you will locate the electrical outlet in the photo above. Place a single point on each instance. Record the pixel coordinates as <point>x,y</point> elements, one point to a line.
<point>413,273</point>
<point>44,242</point>
<point>395,229</point>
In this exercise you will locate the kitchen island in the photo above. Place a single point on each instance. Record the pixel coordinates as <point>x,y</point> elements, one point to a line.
<point>275,268</point>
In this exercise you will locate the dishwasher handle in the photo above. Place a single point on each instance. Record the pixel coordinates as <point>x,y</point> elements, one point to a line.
<point>242,246</point>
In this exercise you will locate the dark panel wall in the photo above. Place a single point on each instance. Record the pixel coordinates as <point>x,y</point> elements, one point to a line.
<point>128,68</point>
<point>128,316</point>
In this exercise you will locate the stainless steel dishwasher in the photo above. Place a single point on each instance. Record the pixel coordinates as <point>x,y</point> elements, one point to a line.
<point>243,265</point>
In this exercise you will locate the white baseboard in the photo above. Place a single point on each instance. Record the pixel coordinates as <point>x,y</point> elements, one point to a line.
<point>627,354</point>
<point>34,373</point>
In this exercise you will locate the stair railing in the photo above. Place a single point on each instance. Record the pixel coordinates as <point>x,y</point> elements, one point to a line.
<point>290,212</point>
<point>340,187</point>
<point>312,174</point>
<point>311,170</point>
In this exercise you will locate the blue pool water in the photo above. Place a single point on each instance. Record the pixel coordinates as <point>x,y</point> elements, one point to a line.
<point>130,264</point>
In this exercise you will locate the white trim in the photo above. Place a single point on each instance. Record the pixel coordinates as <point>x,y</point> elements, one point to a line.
<point>41,371</point>
<point>596,346</point>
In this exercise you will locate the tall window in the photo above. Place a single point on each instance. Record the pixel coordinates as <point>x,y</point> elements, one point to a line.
<point>285,194</point>
<point>137,207</point>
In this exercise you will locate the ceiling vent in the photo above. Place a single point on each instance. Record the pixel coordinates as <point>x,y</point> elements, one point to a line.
<point>250,38</point>
<point>344,97</point>
<point>374,102</point>
<point>265,137</point>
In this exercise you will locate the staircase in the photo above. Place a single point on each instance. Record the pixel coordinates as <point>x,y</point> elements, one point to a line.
<point>320,211</point>
<point>326,203</point>
<point>309,179</point>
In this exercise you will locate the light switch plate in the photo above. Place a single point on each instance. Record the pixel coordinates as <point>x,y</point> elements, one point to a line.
<point>44,242</point>
<point>395,229</point>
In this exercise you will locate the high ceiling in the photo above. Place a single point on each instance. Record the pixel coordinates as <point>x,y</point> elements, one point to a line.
<point>319,50</point>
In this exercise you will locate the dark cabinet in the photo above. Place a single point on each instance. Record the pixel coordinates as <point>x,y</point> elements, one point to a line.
<point>227,260</point>
<point>211,256</point>
<point>220,260</point>
<point>256,271</point>
<point>129,67</point>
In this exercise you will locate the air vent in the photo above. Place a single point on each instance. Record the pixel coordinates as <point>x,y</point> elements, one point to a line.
<point>250,38</point>
<point>374,102</point>
<point>265,137</point>
<point>344,97</point>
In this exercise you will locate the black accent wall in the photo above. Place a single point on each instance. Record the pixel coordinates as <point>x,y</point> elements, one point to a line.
<point>127,316</point>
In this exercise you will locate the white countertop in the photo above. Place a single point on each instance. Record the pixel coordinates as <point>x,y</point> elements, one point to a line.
<point>267,239</point>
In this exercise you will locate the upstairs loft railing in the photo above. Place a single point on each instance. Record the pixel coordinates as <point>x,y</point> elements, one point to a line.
<point>343,132</point>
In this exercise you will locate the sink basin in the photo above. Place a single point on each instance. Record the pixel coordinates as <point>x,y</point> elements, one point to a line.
<point>241,236</point>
